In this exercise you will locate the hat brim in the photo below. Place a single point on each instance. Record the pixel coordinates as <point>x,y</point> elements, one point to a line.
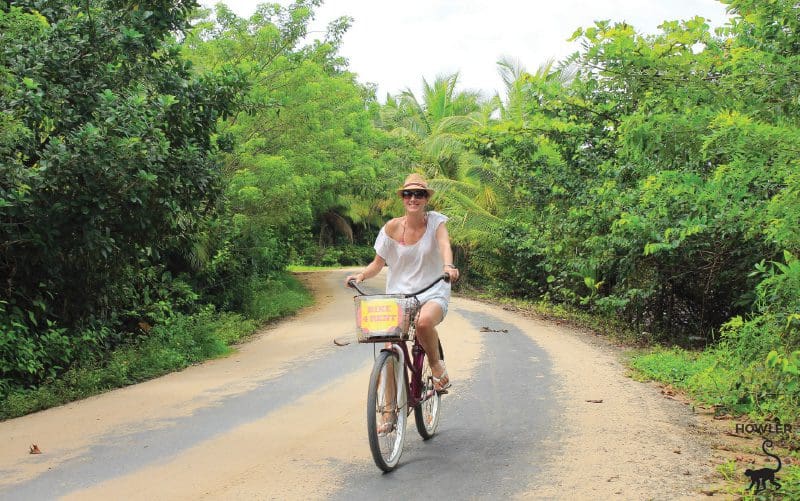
<point>414,186</point>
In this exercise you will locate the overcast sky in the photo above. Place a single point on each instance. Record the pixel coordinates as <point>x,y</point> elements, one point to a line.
<point>397,44</point>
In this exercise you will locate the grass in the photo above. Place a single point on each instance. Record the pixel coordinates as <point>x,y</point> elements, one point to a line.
<point>300,268</point>
<point>275,298</point>
<point>727,470</point>
<point>699,373</point>
<point>182,341</point>
<point>713,377</point>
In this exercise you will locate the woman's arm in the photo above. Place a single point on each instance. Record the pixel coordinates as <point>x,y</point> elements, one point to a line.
<point>370,271</point>
<point>446,251</point>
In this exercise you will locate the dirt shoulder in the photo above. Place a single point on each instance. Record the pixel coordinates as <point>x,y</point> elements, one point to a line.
<point>710,450</point>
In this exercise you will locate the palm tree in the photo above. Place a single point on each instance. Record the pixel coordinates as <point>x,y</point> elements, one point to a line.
<point>512,72</point>
<point>522,87</point>
<point>436,123</point>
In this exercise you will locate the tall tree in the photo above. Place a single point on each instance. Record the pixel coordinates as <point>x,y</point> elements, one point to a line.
<point>107,167</point>
<point>305,133</point>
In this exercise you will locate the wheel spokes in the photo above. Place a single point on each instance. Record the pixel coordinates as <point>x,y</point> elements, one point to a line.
<point>390,418</point>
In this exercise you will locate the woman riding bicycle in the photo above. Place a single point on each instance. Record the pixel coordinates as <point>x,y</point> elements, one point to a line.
<point>416,247</point>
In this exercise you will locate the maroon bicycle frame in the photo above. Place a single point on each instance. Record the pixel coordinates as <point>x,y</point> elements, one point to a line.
<point>413,365</point>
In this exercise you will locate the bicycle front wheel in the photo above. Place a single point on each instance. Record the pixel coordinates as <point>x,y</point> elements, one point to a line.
<point>387,410</point>
<point>426,414</point>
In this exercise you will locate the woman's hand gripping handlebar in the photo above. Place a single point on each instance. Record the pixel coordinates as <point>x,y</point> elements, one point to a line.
<point>353,283</point>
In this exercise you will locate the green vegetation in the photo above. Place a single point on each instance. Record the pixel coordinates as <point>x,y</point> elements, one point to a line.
<point>174,345</point>
<point>302,268</point>
<point>162,166</point>
<point>178,342</point>
<point>130,237</point>
<point>108,172</point>
<point>642,182</point>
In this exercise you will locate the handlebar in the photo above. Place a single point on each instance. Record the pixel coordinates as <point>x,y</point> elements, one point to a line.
<point>445,276</point>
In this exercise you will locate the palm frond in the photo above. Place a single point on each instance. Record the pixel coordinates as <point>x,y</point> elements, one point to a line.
<point>442,146</point>
<point>457,123</point>
<point>510,70</point>
<point>404,132</point>
<point>470,222</point>
<point>415,110</point>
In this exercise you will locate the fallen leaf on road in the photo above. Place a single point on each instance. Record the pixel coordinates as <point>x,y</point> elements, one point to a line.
<point>35,449</point>
<point>595,401</point>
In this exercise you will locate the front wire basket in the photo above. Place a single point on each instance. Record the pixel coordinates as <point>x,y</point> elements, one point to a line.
<point>384,317</point>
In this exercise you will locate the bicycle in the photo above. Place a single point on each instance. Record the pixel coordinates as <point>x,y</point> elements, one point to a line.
<point>398,383</point>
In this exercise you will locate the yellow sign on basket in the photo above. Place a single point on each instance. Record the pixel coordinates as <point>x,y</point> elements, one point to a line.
<point>380,315</point>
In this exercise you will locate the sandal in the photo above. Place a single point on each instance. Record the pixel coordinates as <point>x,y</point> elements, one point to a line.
<point>441,383</point>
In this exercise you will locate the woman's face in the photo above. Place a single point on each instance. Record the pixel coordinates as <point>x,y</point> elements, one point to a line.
<point>414,200</point>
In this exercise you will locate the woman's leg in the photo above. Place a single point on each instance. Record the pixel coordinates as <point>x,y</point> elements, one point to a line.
<point>430,316</point>
<point>389,403</point>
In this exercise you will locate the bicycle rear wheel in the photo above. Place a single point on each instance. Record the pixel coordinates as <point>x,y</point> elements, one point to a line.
<point>387,410</point>
<point>426,414</point>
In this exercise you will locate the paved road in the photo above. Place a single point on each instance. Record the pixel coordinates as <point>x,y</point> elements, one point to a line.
<point>488,444</point>
<point>284,418</point>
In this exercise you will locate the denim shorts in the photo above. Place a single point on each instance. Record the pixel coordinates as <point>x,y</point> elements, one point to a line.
<point>437,296</point>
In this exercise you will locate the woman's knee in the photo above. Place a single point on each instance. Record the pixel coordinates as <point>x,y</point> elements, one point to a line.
<point>430,316</point>
<point>425,324</point>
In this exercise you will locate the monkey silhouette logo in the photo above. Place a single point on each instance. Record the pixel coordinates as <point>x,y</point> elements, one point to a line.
<point>759,478</point>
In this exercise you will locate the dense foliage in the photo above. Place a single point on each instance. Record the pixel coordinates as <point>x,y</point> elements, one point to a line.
<point>305,152</point>
<point>648,178</point>
<point>157,159</point>
<point>108,169</point>
<point>658,183</point>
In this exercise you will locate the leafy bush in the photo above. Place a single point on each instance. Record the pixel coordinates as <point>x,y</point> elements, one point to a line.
<point>107,174</point>
<point>273,297</point>
<point>115,163</point>
<point>641,182</point>
<point>179,342</point>
<point>345,255</point>
<point>21,353</point>
<point>30,354</point>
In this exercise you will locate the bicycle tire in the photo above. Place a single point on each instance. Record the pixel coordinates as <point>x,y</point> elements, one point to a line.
<point>426,413</point>
<point>387,405</point>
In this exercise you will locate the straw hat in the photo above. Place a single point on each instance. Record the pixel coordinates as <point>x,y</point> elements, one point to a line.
<point>415,182</point>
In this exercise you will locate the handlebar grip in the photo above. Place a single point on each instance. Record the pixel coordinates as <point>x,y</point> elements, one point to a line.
<point>354,285</point>
<point>446,277</point>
